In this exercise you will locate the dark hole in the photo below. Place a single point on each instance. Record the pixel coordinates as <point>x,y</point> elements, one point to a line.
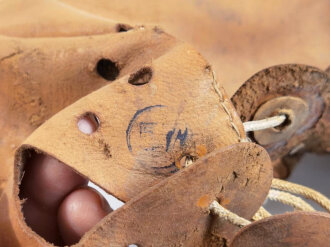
<point>285,124</point>
<point>107,69</point>
<point>123,28</point>
<point>141,77</point>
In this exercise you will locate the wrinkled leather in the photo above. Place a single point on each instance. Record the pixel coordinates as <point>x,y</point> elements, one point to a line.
<point>48,48</point>
<point>144,130</point>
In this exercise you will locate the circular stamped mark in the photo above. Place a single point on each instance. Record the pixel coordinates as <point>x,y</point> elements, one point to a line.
<point>158,139</point>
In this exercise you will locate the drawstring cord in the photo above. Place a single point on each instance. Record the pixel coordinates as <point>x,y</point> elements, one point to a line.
<point>276,194</point>
<point>281,191</point>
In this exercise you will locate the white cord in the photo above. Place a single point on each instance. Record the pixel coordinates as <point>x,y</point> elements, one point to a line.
<point>289,199</point>
<point>223,213</point>
<point>266,123</point>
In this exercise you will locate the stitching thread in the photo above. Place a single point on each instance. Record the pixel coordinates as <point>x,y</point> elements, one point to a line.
<point>222,103</point>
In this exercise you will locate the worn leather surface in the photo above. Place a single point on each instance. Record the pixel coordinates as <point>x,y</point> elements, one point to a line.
<point>37,36</point>
<point>144,130</point>
<point>238,176</point>
<point>291,229</point>
<point>238,38</point>
<point>176,211</point>
<point>308,130</point>
<point>39,77</point>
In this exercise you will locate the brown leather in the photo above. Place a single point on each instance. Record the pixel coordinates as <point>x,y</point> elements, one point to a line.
<point>291,229</point>
<point>233,39</point>
<point>238,176</point>
<point>303,93</point>
<point>248,36</point>
<point>29,95</point>
<point>176,211</point>
<point>144,130</point>
<point>160,109</point>
<point>238,38</point>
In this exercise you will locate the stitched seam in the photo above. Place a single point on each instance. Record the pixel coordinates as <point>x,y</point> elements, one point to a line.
<point>222,103</point>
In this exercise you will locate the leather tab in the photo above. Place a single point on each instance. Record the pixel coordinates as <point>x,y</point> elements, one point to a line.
<point>295,229</point>
<point>175,212</point>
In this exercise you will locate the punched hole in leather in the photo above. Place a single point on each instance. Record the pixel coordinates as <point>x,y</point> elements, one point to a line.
<point>88,123</point>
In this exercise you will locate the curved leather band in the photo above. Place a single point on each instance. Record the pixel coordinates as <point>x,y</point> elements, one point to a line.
<point>291,229</point>
<point>144,130</point>
<point>176,211</point>
<point>40,77</point>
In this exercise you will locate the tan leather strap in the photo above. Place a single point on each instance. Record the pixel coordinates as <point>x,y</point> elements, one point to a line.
<point>144,130</point>
<point>176,211</point>
<point>170,106</point>
<point>291,229</point>
<point>40,77</point>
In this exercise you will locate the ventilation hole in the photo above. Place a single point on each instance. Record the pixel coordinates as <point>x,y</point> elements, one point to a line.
<point>107,69</point>
<point>141,77</point>
<point>88,123</point>
<point>123,28</point>
<point>285,124</point>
